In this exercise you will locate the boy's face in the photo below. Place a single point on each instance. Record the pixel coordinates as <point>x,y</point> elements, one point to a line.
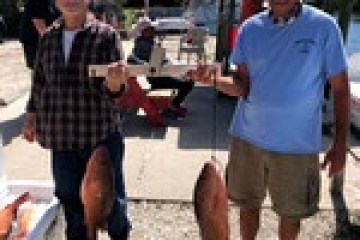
<point>72,7</point>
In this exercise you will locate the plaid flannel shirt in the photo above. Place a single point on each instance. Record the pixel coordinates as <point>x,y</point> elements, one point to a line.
<point>72,110</point>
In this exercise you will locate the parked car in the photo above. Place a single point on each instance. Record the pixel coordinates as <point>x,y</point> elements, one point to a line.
<point>2,28</point>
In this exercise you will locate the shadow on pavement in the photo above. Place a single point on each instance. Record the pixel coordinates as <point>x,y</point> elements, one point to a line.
<point>208,121</point>
<point>196,130</point>
<point>138,126</point>
<point>11,129</point>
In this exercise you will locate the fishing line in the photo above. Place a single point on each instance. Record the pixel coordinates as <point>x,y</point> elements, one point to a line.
<point>213,137</point>
<point>213,143</point>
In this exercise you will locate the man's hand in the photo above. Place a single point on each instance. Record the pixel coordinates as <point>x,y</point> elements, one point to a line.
<point>116,76</point>
<point>237,86</point>
<point>204,73</point>
<point>335,158</point>
<point>28,128</point>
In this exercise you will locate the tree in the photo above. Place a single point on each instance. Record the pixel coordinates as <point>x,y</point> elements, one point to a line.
<point>10,11</point>
<point>345,10</point>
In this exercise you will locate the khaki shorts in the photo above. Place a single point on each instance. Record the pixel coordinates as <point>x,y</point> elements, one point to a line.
<point>291,179</point>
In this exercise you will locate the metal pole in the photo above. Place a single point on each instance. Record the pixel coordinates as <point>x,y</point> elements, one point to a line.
<point>220,26</point>
<point>327,6</point>
<point>146,8</point>
<point>229,26</point>
<point>345,11</point>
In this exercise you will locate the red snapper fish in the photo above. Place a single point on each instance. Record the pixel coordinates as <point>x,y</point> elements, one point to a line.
<point>8,213</point>
<point>211,204</point>
<point>97,191</point>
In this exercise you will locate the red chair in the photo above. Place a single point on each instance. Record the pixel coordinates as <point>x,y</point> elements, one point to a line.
<point>151,104</point>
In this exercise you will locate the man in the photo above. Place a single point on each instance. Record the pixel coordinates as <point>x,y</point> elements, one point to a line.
<point>38,15</point>
<point>71,114</point>
<point>284,56</point>
<point>141,54</point>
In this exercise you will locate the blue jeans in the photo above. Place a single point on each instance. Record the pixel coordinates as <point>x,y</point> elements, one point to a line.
<point>68,170</point>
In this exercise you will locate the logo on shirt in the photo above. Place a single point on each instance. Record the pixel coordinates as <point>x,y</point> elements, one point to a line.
<point>304,45</point>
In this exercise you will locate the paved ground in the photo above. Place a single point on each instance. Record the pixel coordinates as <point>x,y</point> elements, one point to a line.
<point>14,76</point>
<point>160,163</point>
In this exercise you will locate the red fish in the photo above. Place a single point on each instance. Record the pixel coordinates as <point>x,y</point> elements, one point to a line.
<point>97,191</point>
<point>8,213</point>
<point>211,204</point>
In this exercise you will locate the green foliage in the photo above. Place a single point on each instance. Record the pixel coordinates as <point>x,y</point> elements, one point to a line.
<point>10,11</point>
<point>129,14</point>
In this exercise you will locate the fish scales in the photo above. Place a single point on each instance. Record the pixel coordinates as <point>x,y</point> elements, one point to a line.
<point>97,191</point>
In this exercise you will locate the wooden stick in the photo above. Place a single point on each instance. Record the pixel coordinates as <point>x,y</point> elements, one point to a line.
<point>145,70</point>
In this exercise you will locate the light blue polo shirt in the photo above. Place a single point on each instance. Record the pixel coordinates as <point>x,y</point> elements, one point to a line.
<point>288,66</point>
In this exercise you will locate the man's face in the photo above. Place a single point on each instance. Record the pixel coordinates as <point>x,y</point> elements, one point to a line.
<point>72,7</point>
<point>282,7</point>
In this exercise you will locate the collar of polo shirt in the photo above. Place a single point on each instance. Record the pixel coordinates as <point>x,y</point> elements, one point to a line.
<point>288,18</point>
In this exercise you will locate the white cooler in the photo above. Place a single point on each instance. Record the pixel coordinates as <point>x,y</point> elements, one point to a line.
<point>45,221</point>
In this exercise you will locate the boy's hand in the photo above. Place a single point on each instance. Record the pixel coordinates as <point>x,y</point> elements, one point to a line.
<point>116,76</point>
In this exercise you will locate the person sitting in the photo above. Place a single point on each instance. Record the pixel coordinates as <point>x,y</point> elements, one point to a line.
<point>141,54</point>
